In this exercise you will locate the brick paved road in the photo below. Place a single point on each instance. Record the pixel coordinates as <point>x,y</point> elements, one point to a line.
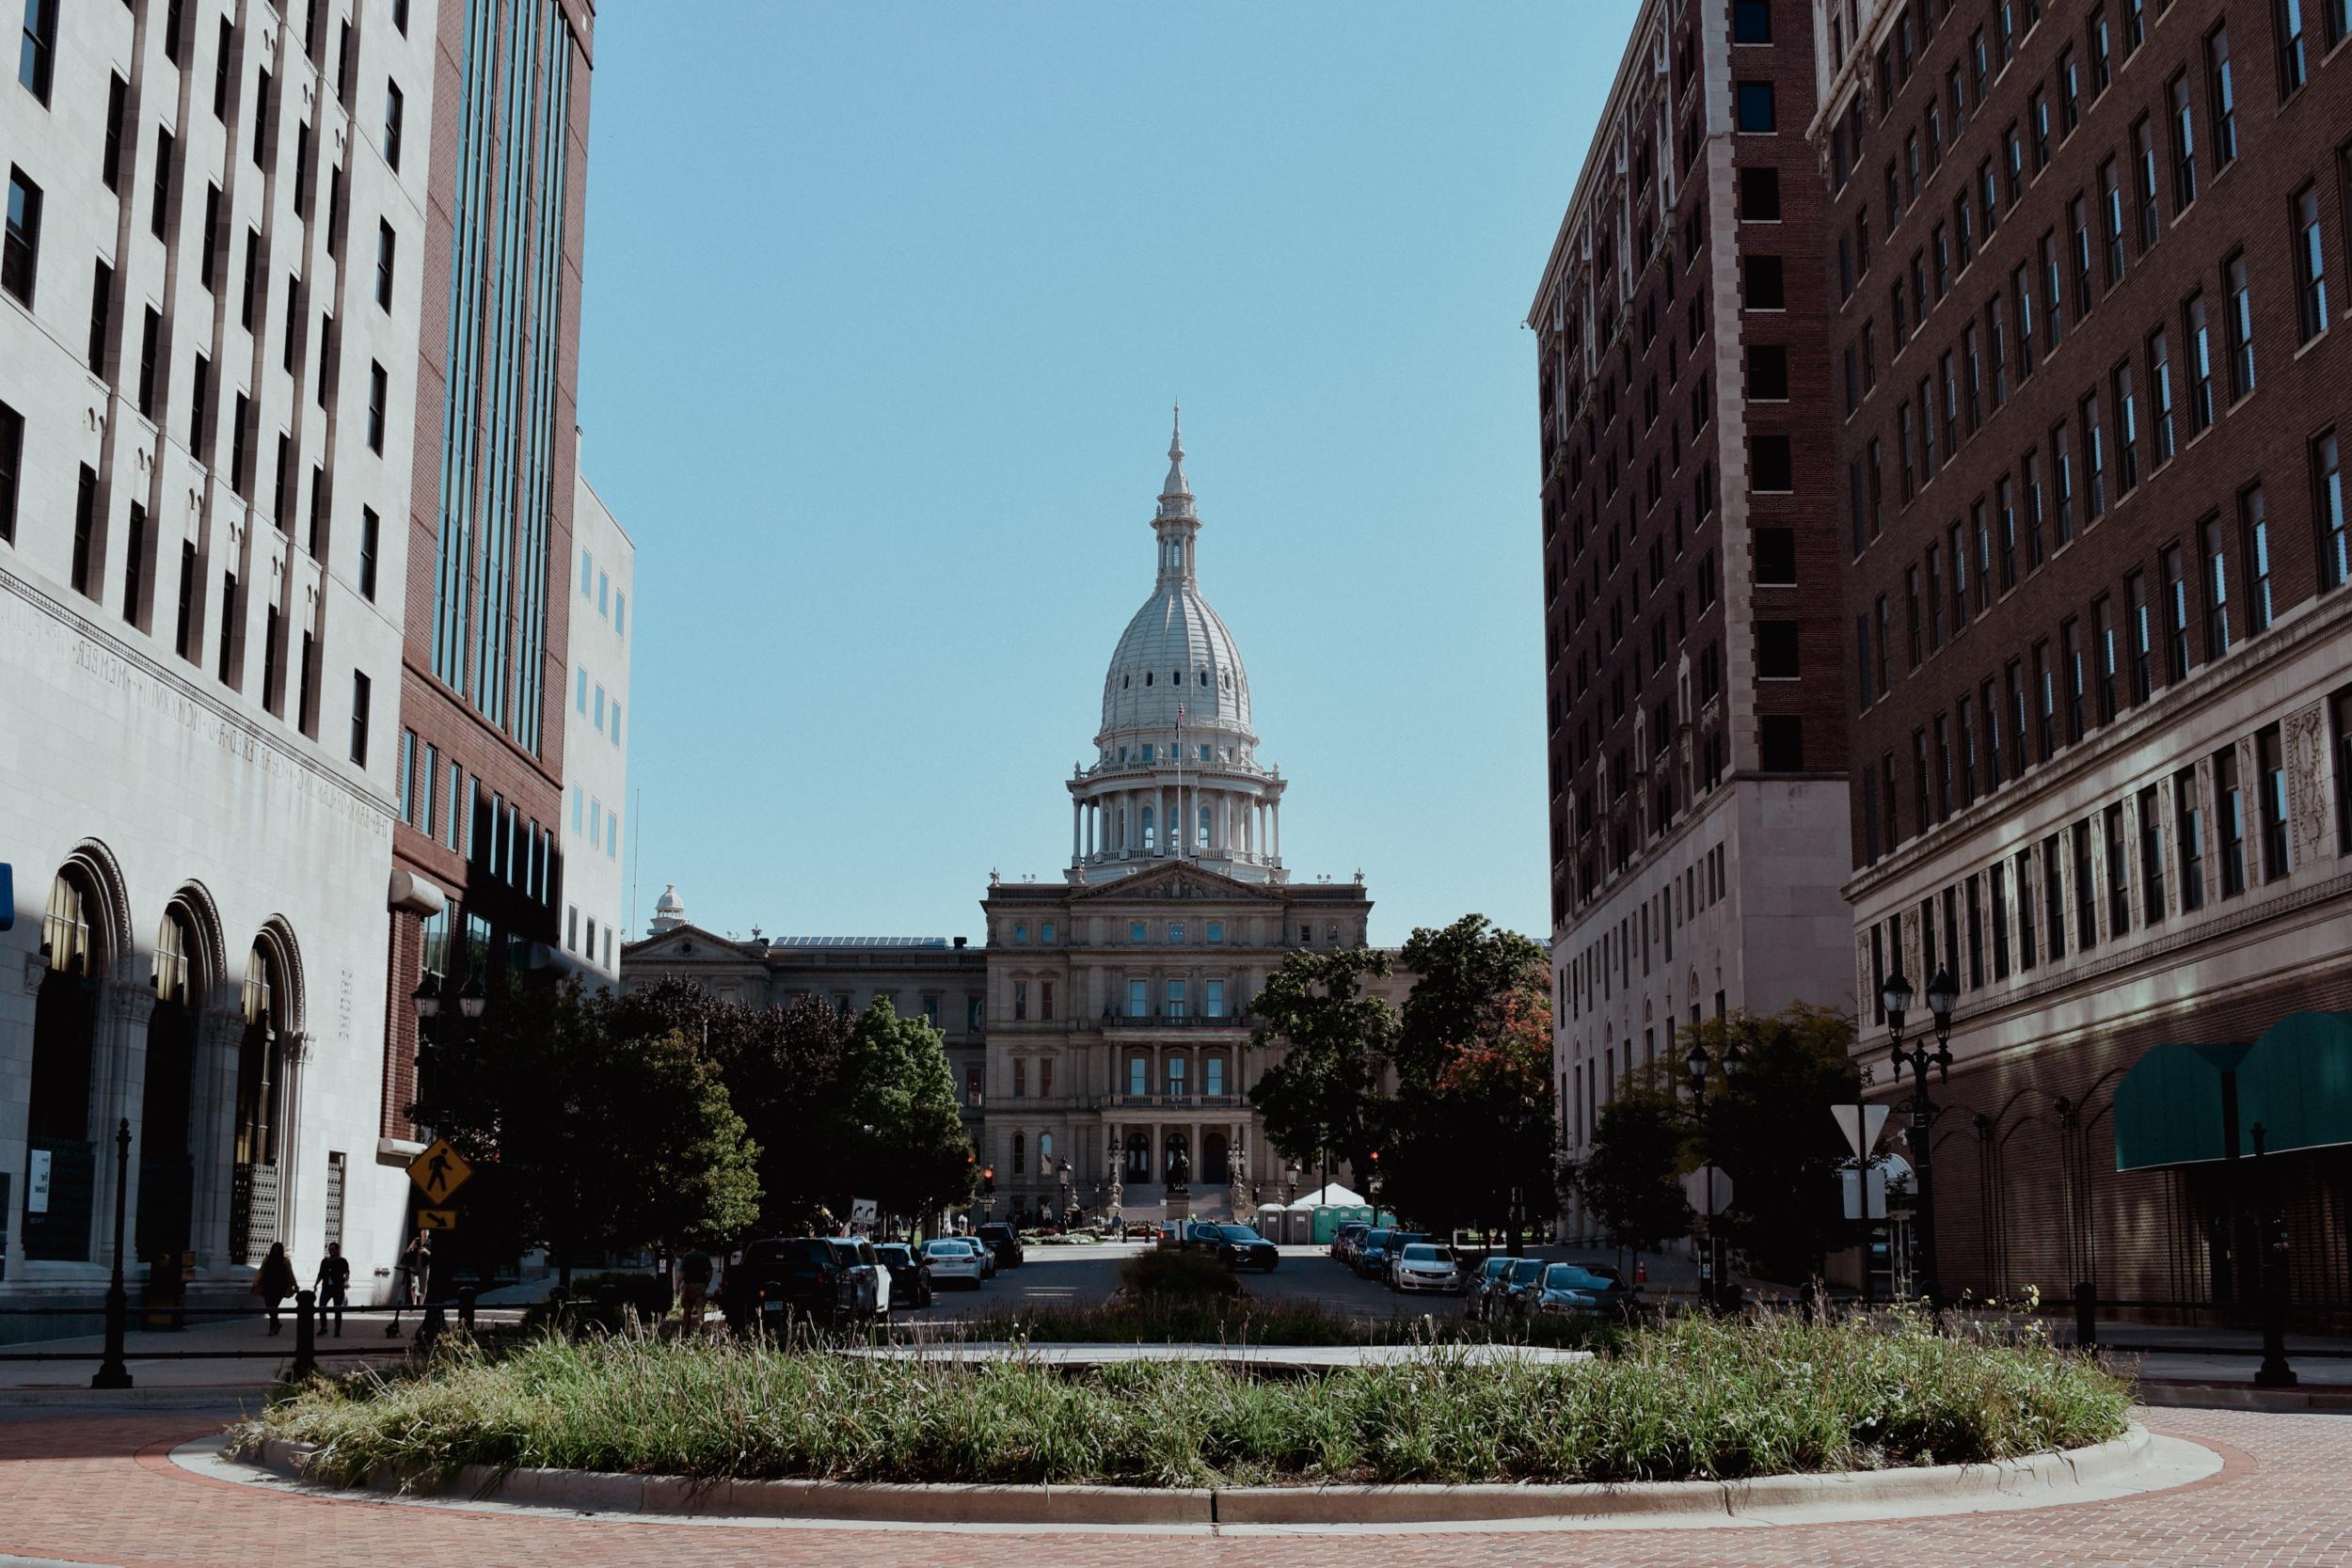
<point>102,1489</point>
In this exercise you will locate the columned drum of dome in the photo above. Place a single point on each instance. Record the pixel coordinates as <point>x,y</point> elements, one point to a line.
<point>1176,774</point>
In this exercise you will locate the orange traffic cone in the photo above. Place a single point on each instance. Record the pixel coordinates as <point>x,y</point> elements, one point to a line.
<point>1640,1271</point>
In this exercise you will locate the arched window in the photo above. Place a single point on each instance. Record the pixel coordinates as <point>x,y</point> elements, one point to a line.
<point>258,1058</point>
<point>166,1174</point>
<point>1045,1153</point>
<point>1147,678</point>
<point>1204,827</point>
<point>65,1027</point>
<point>1205,677</point>
<point>1147,827</point>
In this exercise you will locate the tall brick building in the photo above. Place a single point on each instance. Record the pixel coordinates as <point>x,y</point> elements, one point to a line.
<point>2088,381</point>
<point>1693,663</point>
<point>477,881</point>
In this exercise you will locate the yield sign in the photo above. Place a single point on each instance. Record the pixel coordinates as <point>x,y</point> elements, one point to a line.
<point>438,1171</point>
<point>1862,1125</point>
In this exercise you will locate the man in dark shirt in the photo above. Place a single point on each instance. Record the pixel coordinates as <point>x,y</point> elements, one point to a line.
<point>334,1285</point>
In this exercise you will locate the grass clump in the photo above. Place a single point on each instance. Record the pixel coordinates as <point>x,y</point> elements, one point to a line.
<point>1697,1398</point>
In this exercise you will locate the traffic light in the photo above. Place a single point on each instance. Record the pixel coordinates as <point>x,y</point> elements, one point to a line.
<point>988,1179</point>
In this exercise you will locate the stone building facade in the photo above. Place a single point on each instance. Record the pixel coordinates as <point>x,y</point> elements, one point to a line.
<point>595,739</point>
<point>206,385</point>
<point>1119,1031</point>
<point>1695,690</point>
<point>2091,388</point>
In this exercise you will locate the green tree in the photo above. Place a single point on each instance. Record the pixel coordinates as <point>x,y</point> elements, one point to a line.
<point>1631,1176</point>
<point>1321,1102</point>
<point>593,1136</point>
<point>1768,1126</point>
<point>897,1128</point>
<point>1473,1125</point>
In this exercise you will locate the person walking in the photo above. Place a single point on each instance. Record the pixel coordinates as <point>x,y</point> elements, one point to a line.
<point>273,1281</point>
<point>694,1273</point>
<point>334,1285</point>
<point>417,1258</point>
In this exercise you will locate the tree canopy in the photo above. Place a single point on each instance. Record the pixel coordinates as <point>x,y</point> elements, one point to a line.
<point>1322,1100</point>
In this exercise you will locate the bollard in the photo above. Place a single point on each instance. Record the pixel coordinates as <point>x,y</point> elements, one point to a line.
<point>2086,1316</point>
<point>465,1308</point>
<point>306,1361</point>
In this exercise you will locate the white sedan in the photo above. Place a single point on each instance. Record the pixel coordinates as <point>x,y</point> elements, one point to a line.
<point>953,1258</point>
<point>1426,1266</point>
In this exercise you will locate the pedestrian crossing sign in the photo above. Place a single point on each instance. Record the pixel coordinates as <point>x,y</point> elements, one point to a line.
<point>440,1171</point>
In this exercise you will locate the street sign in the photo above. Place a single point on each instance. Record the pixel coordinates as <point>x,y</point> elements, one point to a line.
<point>37,1182</point>
<point>864,1211</point>
<point>1694,1187</point>
<point>440,1171</point>
<point>1862,1125</point>
<point>436,1219</point>
<point>1865,1187</point>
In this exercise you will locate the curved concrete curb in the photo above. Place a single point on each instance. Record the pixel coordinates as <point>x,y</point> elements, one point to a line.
<point>1930,1488</point>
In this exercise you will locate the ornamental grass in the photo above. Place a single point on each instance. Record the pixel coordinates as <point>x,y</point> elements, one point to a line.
<point>1694,1398</point>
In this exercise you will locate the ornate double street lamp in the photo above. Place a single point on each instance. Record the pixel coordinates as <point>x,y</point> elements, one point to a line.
<point>1710,1255</point>
<point>1896,995</point>
<point>1061,1172</point>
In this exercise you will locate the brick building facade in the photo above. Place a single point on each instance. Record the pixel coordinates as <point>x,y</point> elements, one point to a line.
<point>477,881</point>
<point>1695,677</point>
<point>2086,265</point>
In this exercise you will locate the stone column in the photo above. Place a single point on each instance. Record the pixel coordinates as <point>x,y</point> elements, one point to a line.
<point>1077,814</point>
<point>1278,827</point>
<point>211,1141</point>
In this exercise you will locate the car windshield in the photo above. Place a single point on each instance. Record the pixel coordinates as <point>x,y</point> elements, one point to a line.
<point>1421,1252</point>
<point>1568,1277</point>
<point>1377,1238</point>
<point>1240,1234</point>
<point>1526,1271</point>
<point>1495,1268</point>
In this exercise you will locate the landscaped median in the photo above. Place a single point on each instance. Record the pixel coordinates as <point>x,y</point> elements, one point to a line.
<point>1694,1400</point>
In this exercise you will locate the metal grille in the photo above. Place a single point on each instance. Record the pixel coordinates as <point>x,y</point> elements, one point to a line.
<point>334,1196</point>
<point>252,1212</point>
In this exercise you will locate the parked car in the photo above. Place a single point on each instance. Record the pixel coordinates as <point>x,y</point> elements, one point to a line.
<point>1372,1253</point>
<point>1398,1242</point>
<point>959,1258</point>
<point>1568,1289</point>
<point>909,1273</point>
<point>1514,1295</point>
<point>1426,1266</point>
<point>823,1276</point>
<point>1237,1247</point>
<point>1482,1293</point>
<point>1346,1240</point>
<point>1004,1241</point>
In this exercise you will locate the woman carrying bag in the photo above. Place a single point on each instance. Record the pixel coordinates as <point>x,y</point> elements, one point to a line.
<point>273,1281</point>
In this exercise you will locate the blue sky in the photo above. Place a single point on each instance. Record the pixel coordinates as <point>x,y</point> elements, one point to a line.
<point>884,309</point>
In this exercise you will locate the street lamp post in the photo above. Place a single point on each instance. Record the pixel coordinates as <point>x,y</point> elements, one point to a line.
<point>1710,1257</point>
<point>2274,1373</point>
<point>1061,1216</point>
<point>112,1371</point>
<point>1896,995</point>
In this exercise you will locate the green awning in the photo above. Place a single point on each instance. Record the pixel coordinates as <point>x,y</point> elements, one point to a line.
<point>2297,1082</point>
<point>2179,1105</point>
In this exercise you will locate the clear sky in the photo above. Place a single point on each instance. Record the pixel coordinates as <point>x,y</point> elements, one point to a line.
<point>885,306</point>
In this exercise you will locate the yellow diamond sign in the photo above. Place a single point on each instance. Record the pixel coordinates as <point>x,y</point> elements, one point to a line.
<point>440,1171</point>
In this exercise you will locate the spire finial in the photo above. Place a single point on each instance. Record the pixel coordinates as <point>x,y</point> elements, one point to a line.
<point>1176,441</point>
<point>1176,495</point>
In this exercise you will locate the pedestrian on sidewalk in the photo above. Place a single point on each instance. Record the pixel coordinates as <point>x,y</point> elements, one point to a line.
<point>273,1281</point>
<point>694,1273</point>
<point>334,1285</point>
<point>417,1258</point>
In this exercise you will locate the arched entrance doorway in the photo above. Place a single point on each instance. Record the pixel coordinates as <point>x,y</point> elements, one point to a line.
<point>1175,1153</point>
<point>167,1169</point>
<point>61,1158</point>
<point>1139,1157</point>
<point>1216,1168</point>
<point>254,1193</point>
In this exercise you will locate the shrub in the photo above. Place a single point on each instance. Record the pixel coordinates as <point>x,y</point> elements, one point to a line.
<point>1698,1397</point>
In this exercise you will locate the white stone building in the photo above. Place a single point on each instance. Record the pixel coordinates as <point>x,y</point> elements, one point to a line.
<point>595,740</point>
<point>1117,1023</point>
<point>205,459</point>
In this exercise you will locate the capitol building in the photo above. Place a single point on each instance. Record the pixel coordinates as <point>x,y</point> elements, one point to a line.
<point>1101,1029</point>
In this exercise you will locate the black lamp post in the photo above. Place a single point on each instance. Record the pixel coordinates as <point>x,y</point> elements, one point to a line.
<point>2274,1373</point>
<point>111,1372</point>
<point>1710,1255</point>
<point>1061,1173</point>
<point>1897,996</point>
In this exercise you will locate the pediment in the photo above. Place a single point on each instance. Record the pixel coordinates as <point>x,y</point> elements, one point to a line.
<point>1176,883</point>
<point>688,943</point>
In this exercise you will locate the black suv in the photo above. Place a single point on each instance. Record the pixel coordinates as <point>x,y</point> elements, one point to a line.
<point>1236,1246</point>
<point>808,1275</point>
<point>909,1273</point>
<point>1004,1241</point>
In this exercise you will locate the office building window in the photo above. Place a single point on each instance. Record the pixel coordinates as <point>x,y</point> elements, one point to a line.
<point>2254,538</point>
<point>394,108</point>
<point>2270,759</point>
<point>2241,327</point>
<point>378,394</point>
<point>387,251</point>
<point>361,693</point>
<point>2335,559</point>
<point>85,526</point>
<point>2311,265</point>
<point>2176,614</point>
<point>35,56</point>
<point>2151,859</point>
<point>2217,565</point>
<point>370,526</point>
<point>21,254</point>
<point>2229,805</point>
<point>2189,825</point>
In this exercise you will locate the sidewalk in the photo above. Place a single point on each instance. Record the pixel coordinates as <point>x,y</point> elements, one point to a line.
<point>160,1358</point>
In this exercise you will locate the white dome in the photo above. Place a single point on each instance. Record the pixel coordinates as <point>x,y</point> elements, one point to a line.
<point>1176,650</point>
<point>669,912</point>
